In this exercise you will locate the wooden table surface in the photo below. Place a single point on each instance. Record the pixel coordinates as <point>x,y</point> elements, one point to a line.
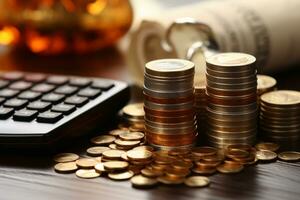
<point>27,177</point>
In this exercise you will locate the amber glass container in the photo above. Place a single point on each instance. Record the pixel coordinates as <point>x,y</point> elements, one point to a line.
<point>51,27</point>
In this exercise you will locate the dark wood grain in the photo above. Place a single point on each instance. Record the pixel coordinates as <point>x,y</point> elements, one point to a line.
<point>25,177</point>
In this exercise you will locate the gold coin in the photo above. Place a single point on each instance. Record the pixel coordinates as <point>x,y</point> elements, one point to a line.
<point>237,153</point>
<point>230,168</point>
<point>136,169</point>
<point>267,146</point>
<point>203,163</point>
<point>170,180</point>
<point>266,155</point>
<point>124,143</point>
<point>117,132</point>
<point>140,181</point>
<point>204,151</point>
<point>100,168</point>
<point>265,82</point>
<point>245,147</point>
<point>112,146</point>
<point>124,156</point>
<point>87,173</point>
<point>121,176</point>
<point>136,128</point>
<point>289,156</point>
<point>115,165</point>
<point>281,97</point>
<point>144,147</point>
<point>182,164</point>
<point>65,167</point>
<point>139,155</point>
<point>197,181</point>
<point>132,136</point>
<point>172,172</point>
<point>103,139</point>
<point>65,157</point>
<point>150,172</point>
<point>134,110</point>
<point>96,151</point>
<point>113,154</point>
<point>86,162</point>
<point>204,170</point>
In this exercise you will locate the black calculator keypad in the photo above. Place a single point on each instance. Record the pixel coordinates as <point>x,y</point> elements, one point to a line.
<point>45,98</point>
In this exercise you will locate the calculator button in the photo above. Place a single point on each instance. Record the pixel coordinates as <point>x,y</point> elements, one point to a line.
<point>12,76</point>
<point>25,115</point>
<point>66,89</point>
<point>15,103</point>
<point>57,80</point>
<point>39,105</point>
<point>34,78</point>
<point>29,95</point>
<point>76,100</point>
<point>63,108</point>
<point>8,93</point>
<point>89,92</point>
<point>3,84</point>
<point>20,85</point>
<point>6,112</point>
<point>102,84</point>
<point>53,98</point>
<point>43,88</point>
<point>49,117</point>
<point>80,82</point>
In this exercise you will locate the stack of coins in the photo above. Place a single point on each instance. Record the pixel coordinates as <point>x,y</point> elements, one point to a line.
<point>231,92</point>
<point>280,116</point>
<point>265,84</point>
<point>133,115</point>
<point>200,107</point>
<point>168,103</point>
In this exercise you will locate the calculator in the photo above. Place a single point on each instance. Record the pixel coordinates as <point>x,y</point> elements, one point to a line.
<point>45,110</point>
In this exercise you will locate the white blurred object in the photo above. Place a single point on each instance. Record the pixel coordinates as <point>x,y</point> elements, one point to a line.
<point>267,29</point>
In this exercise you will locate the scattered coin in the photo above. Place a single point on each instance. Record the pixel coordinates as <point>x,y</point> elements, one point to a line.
<point>204,151</point>
<point>117,132</point>
<point>138,155</point>
<point>267,146</point>
<point>113,154</point>
<point>97,151</point>
<point>230,168</point>
<point>124,143</point>
<point>66,167</point>
<point>100,168</point>
<point>289,156</point>
<point>152,173</point>
<point>266,155</point>
<point>103,140</point>
<point>65,157</point>
<point>112,146</point>
<point>170,180</point>
<point>86,162</point>
<point>121,176</point>
<point>140,181</point>
<point>87,173</point>
<point>197,181</point>
<point>144,147</point>
<point>204,170</point>
<point>132,136</point>
<point>115,165</point>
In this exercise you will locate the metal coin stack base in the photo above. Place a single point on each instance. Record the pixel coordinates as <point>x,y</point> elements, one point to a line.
<point>280,116</point>
<point>200,107</point>
<point>231,92</point>
<point>168,103</point>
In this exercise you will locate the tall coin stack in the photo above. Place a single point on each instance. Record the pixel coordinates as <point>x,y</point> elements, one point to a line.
<point>280,116</point>
<point>232,107</point>
<point>168,104</point>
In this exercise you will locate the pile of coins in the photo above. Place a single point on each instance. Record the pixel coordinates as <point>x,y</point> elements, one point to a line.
<point>280,116</point>
<point>200,107</point>
<point>169,104</point>
<point>133,115</point>
<point>231,106</point>
<point>124,155</point>
<point>265,84</point>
